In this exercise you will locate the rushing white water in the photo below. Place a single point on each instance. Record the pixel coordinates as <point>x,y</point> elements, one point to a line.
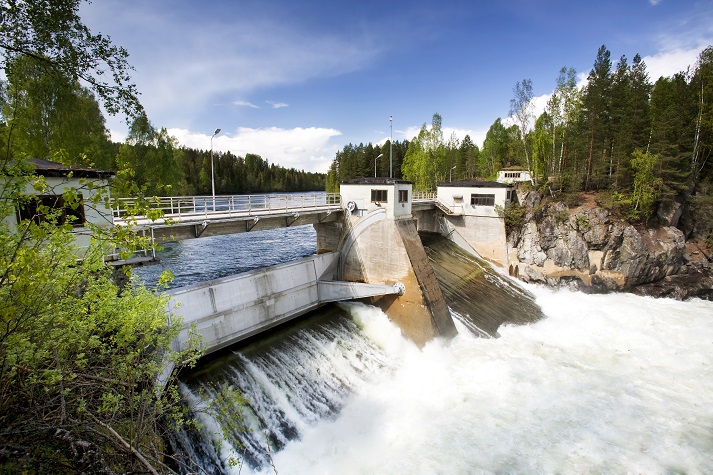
<point>604,384</point>
<point>610,383</point>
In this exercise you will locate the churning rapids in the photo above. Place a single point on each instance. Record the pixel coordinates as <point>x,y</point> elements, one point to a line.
<point>600,384</point>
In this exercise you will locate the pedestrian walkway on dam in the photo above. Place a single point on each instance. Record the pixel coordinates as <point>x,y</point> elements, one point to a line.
<point>191,209</point>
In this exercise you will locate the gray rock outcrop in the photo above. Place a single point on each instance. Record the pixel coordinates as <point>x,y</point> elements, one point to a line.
<point>589,249</point>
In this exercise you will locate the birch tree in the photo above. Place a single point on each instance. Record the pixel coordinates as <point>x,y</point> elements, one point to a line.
<point>521,110</point>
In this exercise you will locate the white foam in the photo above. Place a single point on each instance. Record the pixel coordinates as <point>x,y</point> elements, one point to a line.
<point>606,384</point>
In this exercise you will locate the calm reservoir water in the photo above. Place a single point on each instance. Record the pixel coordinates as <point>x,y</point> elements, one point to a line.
<point>574,383</point>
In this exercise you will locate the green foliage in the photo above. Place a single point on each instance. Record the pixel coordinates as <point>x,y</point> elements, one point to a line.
<point>561,216</point>
<point>425,162</point>
<point>357,161</point>
<point>521,110</point>
<point>79,355</point>
<point>51,32</point>
<point>582,221</point>
<point>500,149</point>
<point>646,185</point>
<point>513,215</point>
<point>51,116</point>
<point>702,219</point>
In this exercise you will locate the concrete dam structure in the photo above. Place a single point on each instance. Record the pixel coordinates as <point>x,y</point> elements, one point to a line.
<point>368,249</point>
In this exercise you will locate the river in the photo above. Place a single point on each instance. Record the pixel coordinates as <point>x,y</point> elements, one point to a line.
<point>573,383</point>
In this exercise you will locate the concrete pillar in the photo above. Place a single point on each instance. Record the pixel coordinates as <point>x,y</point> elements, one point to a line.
<point>389,251</point>
<point>328,236</point>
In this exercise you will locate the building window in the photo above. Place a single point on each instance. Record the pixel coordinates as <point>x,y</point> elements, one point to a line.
<point>403,196</point>
<point>512,174</point>
<point>36,207</point>
<point>482,200</point>
<point>379,196</point>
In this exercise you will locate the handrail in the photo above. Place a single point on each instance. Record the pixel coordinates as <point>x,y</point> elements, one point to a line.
<point>177,207</point>
<point>424,196</point>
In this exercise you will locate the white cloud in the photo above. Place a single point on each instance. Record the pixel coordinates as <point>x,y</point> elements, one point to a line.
<point>187,61</point>
<point>301,148</point>
<point>245,104</point>
<point>654,2</point>
<point>668,63</point>
<point>272,54</point>
<point>277,105</point>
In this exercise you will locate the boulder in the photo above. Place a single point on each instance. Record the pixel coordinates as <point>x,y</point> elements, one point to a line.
<point>669,213</point>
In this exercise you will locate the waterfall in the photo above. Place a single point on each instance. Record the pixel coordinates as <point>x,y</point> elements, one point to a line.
<point>591,383</point>
<point>304,373</point>
<point>290,380</point>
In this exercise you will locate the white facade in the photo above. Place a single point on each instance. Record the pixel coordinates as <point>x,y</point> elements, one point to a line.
<point>471,215</point>
<point>473,198</point>
<point>513,175</point>
<point>364,195</point>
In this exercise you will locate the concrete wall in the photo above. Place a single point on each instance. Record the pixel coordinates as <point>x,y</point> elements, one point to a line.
<point>513,175</point>
<point>225,311</point>
<point>484,234</point>
<point>233,308</point>
<point>180,231</point>
<point>426,217</point>
<point>329,235</point>
<point>381,250</point>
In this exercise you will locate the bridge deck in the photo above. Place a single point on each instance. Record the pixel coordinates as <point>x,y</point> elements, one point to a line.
<point>169,211</point>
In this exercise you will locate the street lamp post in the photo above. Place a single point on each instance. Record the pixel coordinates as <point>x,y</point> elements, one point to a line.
<point>380,155</point>
<point>391,141</point>
<point>212,174</point>
<point>451,178</point>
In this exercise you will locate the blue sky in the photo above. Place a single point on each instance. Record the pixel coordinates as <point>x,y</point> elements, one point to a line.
<point>295,81</point>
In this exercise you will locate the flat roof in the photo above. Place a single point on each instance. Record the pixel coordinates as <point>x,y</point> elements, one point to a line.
<point>474,184</point>
<point>55,169</point>
<point>376,181</point>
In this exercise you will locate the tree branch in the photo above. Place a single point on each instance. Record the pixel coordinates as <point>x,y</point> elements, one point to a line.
<point>124,443</point>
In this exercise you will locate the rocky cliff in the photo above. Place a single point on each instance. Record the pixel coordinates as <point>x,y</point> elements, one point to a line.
<point>590,249</point>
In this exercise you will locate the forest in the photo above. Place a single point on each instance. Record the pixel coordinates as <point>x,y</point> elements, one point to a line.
<point>642,143</point>
<point>47,114</point>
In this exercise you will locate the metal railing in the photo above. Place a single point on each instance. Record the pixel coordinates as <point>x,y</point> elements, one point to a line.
<point>423,196</point>
<point>195,207</point>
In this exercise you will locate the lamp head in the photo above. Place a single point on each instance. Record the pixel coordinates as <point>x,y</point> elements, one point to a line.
<point>217,131</point>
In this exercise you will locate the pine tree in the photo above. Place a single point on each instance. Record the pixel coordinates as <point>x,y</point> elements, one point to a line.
<point>597,106</point>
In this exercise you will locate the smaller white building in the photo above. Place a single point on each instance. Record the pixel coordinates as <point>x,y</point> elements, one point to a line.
<point>474,198</point>
<point>361,196</point>
<point>470,214</point>
<point>514,175</point>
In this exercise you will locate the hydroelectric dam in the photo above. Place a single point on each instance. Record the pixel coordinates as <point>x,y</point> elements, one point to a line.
<point>340,390</point>
<point>368,247</point>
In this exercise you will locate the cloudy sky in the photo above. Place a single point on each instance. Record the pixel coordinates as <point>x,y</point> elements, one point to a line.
<point>295,81</point>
